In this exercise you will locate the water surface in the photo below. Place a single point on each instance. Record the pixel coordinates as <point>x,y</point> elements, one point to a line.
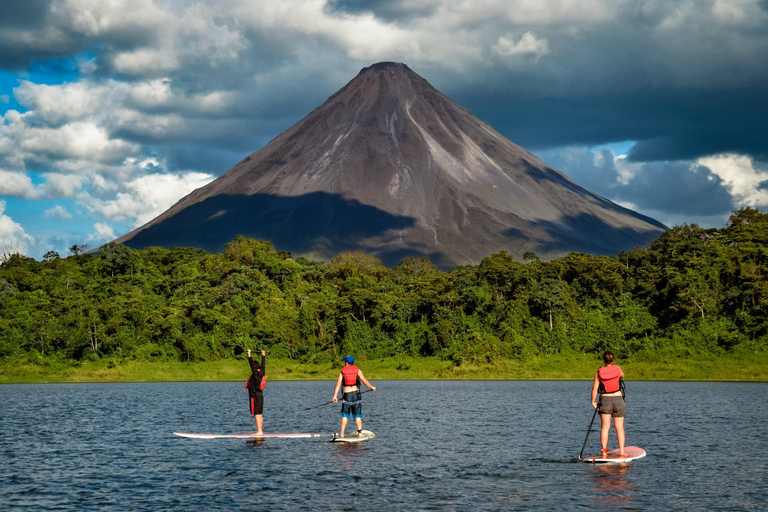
<point>440,445</point>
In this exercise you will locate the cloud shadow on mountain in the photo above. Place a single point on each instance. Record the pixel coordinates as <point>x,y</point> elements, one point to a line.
<point>558,179</point>
<point>586,233</point>
<point>318,223</point>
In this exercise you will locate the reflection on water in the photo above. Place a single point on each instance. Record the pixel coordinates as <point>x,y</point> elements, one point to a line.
<point>612,485</point>
<point>439,445</point>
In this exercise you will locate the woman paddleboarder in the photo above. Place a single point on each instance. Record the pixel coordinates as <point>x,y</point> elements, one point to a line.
<point>612,403</point>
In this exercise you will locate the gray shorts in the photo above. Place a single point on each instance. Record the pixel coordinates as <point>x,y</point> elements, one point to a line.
<point>613,405</point>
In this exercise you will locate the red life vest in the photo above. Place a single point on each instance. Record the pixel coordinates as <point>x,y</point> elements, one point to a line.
<point>609,378</point>
<point>350,375</point>
<point>262,384</point>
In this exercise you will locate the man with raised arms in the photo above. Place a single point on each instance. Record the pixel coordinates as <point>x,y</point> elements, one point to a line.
<point>351,403</point>
<point>255,387</point>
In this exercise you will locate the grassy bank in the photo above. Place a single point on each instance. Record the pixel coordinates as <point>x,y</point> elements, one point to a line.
<point>752,367</point>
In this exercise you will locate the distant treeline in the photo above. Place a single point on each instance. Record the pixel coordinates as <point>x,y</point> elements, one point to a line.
<point>693,290</point>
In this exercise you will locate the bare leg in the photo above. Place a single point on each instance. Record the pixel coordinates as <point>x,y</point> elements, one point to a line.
<point>259,423</point>
<point>343,426</point>
<point>605,426</point>
<point>359,424</point>
<point>618,423</point>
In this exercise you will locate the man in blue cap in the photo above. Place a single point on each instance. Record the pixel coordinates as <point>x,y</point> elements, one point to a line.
<point>351,403</point>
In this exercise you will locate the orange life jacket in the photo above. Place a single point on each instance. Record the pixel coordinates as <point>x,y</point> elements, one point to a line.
<point>609,378</point>
<point>349,373</point>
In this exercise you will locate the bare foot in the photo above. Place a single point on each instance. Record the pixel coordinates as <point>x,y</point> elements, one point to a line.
<point>622,454</point>
<point>259,433</point>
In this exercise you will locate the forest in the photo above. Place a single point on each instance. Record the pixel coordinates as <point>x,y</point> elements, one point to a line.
<point>693,290</point>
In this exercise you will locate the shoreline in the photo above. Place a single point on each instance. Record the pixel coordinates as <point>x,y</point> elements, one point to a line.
<point>578,367</point>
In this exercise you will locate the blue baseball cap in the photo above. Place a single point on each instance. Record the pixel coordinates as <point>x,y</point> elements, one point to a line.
<point>349,359</point>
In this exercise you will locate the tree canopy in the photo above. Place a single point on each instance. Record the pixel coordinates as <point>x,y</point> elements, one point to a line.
<point>693,289</point>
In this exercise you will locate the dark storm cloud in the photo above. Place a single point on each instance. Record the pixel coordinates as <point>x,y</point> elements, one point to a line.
<point>685,91</point>
<point>37,30</point>
<point>674,187</point>
<point>678,188</point>
<point>667,126</point>
<point>212,160</point>
<point>23,14</point>
<point>28,33</point>
<point>388,10</point>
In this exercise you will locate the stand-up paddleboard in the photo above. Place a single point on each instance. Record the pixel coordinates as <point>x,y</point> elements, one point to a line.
<point>246,436</point>
<point>354,437</point>
<point>612,456</point>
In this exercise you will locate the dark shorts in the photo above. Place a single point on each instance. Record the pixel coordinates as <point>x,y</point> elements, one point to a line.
<point>257,403</point>
<point>351,405</point>
<point>613,405</point>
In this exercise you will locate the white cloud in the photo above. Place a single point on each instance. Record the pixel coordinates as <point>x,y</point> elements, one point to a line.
<point>19,184</point>
<point>142,61</point>
<point>60,185</point>
<point>739,174</point>
<point>16,184</point>
<point>77,140</point>
<point>102,232</point>
<point>64,102</point>
<point>625,169</point>
<point>733,10</point>
<point>58,212</point>
<point>146,197</point>
<point>11,232</point>
<point>526,45</point>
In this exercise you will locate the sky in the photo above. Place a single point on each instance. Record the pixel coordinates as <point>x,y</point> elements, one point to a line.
<point>112,110</point>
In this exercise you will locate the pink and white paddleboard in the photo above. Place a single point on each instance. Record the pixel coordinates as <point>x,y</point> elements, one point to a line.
<point>246,436</point>
<point>612,456</point>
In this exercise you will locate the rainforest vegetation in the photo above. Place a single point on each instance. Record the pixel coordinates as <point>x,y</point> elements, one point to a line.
<point>692,291</point>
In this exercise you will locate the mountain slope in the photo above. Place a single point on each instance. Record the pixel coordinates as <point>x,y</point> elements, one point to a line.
<point>391,166</point>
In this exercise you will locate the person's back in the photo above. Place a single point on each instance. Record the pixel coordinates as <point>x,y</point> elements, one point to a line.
<point>255,390</point>
<point>608,383</point>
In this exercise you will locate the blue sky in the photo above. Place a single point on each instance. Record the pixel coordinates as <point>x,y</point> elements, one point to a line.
<point>112,111</point>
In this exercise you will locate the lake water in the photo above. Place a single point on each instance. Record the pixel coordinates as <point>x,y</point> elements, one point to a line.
<point>440,445</point>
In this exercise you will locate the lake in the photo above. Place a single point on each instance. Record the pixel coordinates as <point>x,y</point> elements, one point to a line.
<point>440,445</point>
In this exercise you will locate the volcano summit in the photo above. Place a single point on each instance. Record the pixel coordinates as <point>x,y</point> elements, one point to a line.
<point>390,166</point>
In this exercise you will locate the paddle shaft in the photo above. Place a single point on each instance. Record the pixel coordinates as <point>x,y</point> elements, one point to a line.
<point>589,429</point>
<point>329,403</point>
<point>239,350</point>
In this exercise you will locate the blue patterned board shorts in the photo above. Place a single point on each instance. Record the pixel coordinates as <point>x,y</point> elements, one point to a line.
<point>351,405</point>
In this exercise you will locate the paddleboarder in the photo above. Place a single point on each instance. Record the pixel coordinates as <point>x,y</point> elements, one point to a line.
<point>612,403</point>
<point>351,402</point>
<point>255,387</point>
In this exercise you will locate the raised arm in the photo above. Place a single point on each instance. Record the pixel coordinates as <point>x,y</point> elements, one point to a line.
<point>263,362</point>
<point>365,381</point>
<point>336,389</point>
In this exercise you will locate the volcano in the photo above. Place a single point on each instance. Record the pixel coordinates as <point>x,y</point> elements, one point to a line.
<point>390,166</point>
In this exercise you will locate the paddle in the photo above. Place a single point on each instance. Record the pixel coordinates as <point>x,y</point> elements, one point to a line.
<point>239,350</point>
<point>328,403</point>
<point>589,429</point>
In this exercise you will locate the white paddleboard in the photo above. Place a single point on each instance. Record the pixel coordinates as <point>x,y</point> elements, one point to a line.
<point>354,438</point>
<point>244,436</point>
<point>612,456</point>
